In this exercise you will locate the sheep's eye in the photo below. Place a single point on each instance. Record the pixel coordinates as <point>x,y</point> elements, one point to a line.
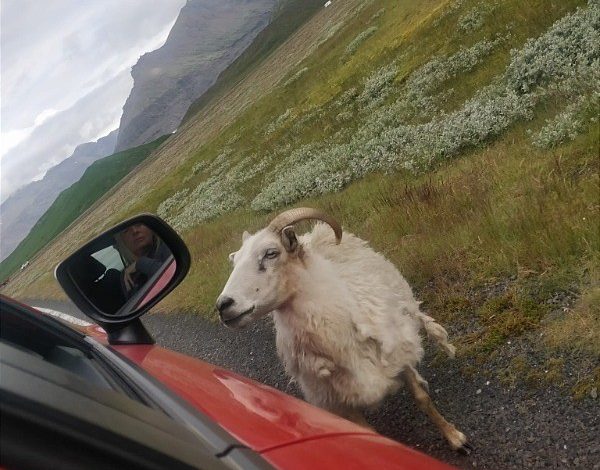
<point>271,254</point>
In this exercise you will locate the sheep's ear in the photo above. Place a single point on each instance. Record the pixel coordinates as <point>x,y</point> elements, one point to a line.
<point>245,236</point>
<point>231,255</point>
<point>289,240</point>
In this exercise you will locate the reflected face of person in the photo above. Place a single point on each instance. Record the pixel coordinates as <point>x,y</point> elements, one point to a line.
<point>138,239</point>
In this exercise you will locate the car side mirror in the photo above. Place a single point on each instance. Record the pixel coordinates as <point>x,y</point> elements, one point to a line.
<point>122,273</point>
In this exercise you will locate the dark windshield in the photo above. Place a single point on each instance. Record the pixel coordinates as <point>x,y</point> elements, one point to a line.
<point>50,370</point>
<point>50,341</point>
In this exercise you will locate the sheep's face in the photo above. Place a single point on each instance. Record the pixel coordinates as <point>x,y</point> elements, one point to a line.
<point>259,282</point>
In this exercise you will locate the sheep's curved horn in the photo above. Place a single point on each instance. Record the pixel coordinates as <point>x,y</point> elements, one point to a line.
<point>292,216</point>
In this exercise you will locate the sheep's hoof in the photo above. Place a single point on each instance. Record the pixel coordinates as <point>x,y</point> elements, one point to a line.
<point>458,441</point>
<point>465,449</point>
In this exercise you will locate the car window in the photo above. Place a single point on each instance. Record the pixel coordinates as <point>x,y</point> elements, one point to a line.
<point>110,258</point>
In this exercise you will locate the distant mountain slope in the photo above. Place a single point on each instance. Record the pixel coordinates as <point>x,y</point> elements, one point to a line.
<point>207,36</point>
<point>24,208</point>
<point>73,201</point>
<point>291,15</point>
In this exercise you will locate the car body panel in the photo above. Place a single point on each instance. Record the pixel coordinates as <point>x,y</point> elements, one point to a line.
<point>351,452</point>
<point>257,415</point>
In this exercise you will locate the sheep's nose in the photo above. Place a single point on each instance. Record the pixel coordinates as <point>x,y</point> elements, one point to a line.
<point>224,302</point>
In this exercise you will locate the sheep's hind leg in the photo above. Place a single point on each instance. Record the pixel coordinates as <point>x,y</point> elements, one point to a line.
<point>457,440</point>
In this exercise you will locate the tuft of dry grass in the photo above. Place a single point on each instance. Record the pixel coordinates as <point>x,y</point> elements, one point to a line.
<point>577,329</point>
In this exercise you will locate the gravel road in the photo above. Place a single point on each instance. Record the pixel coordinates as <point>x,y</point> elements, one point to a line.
<point>509,428</point>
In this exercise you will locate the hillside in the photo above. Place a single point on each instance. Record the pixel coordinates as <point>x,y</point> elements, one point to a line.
<point>459,137</point>
<point>23,209</point>
<point>288,18</point>
<point>206,37</point>
<point>97,179</point>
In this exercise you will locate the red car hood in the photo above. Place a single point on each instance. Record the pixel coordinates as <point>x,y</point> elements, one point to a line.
<point>259,416</point>
<point>288,432</point>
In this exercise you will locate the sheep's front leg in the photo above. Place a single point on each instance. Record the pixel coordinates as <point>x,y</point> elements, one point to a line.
<point>351,414</point>
<point>457,440</point>
<point>322,367</point>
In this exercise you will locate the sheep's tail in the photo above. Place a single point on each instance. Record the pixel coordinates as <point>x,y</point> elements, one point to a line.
<point>437,332</point>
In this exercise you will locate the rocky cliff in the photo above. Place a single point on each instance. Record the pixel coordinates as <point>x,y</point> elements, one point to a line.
<point>206,37</point>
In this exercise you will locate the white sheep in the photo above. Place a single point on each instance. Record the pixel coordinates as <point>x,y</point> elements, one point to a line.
<point>347,324</point>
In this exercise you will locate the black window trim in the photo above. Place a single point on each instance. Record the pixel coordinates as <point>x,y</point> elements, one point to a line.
<point>62,410</point>
<point>155,391</point>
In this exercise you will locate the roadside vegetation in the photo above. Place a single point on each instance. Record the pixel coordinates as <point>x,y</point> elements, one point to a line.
<point>460,138</point>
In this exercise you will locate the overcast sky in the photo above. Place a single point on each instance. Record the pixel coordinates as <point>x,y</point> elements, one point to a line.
<point>65,75</point>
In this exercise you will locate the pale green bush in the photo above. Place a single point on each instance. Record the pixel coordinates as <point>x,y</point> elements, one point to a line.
<point>384,143</point>
<point>278,122</point>
<point>435,72</point>
<point>358,40</point>
<point>475,18</point>
<point>173,204</point>
<point>570,47</point>
<point>566,125</point>
<point>450,8</point>
<point>296,76</point>
<point>377,86</point>
<point>379,13</point>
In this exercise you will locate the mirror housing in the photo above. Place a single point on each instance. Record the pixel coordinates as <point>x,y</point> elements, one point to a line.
<point>104,277</point>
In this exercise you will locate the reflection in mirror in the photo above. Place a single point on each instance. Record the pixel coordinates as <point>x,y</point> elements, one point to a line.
<point>124,271</point>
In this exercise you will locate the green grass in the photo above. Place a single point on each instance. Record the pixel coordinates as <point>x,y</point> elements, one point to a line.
<point>73,201</point>
<point>504,213</point>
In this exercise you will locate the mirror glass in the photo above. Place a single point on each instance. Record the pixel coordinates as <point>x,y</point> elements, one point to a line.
<point>122,271</point>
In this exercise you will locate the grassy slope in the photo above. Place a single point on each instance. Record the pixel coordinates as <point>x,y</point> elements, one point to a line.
<point>490,241</point>
<point>73,201</point>
<point>289,18</point>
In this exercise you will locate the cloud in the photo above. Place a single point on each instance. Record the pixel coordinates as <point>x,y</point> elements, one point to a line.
<point>44,116</point>
<point>11,139</point>
<point>56,56</point>
<point>52,56</point>
<point>57,136</point>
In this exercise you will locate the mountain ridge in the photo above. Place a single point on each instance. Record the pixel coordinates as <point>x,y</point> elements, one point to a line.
<point>96,182</point>
<point>24,207</point>
<point>206,37</point>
